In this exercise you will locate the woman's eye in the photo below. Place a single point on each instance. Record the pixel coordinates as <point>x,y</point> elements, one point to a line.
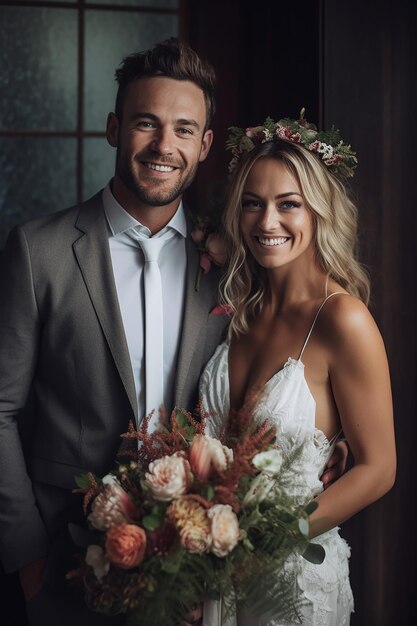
<point>251,205</point>
<point>289,204</point>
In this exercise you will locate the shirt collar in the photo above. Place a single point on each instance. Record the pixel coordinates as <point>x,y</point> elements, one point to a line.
<point>120,220</point>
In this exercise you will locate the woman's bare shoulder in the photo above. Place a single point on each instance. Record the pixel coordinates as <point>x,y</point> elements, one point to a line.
<point>345,319</point>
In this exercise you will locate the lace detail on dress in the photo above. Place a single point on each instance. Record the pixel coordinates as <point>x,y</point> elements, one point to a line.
<point>288,404</point>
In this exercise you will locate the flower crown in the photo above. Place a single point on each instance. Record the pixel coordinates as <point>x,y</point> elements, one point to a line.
<point>327,145</point>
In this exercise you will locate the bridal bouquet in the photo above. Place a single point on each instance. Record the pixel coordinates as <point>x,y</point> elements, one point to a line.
<point>187,517</point>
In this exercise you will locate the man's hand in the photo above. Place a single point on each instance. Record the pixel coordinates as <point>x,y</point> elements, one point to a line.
<point>31,578</point>
<point>336,465</point>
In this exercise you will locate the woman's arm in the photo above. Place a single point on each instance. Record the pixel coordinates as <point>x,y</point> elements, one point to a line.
<point>360,381</point>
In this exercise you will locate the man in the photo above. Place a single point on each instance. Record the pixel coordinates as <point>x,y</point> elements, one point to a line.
<point>72,320</point>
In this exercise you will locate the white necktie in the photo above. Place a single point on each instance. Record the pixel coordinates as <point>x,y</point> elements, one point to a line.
<point>154,326</point>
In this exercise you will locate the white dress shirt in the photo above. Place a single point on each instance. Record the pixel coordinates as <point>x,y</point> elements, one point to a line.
<point>128,263</point>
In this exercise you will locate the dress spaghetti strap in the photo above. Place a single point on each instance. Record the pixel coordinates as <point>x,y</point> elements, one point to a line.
<point>315,318</point>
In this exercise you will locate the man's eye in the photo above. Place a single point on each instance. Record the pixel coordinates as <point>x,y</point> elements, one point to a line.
<point>145,124</point>
<point>185,131</point>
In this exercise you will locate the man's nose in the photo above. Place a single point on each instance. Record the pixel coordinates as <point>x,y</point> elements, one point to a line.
<point>162,142</point>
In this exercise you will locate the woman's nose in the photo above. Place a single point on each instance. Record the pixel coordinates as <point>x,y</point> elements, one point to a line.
<point>269,218</point>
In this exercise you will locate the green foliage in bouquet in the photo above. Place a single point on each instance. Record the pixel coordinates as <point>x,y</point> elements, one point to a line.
<point>186,517</point>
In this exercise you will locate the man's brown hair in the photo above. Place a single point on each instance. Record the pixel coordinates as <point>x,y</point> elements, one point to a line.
<point>171,58</point>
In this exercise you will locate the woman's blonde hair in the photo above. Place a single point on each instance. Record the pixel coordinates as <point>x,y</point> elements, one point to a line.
<point>335,231</point>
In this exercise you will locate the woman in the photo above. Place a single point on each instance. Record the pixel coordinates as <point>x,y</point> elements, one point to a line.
<point>302,339</point>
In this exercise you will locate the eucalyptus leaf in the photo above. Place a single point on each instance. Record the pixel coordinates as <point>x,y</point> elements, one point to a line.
<point>303,526</point>
<point>311,507</point>
<point>314,553</point>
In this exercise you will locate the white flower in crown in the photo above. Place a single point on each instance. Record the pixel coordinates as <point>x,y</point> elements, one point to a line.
<point>325,150</point>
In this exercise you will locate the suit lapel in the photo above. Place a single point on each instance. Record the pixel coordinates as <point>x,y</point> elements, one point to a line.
<point>197,307</point>
<point>93,256</point>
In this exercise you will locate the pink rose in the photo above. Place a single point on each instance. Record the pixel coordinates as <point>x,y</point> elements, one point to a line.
<point>168,477</point>
<point>283,132</point>
<point>111,506</point>
<point>205,262</point>
<point>314,147</point>
<point>333,160</point>
<point>126,545</point>
<point>216,248</point>
<point>295,137</point>
<point>224,529</point>
<point>208,454</point>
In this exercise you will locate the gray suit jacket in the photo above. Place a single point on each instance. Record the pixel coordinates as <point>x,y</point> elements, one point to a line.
<point>61,334</point>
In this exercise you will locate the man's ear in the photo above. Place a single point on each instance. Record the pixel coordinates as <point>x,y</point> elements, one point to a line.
<point>112,130</point>
<point>206,144</point>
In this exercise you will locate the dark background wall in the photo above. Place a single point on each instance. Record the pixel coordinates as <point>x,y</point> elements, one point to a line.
<point>351,64</point>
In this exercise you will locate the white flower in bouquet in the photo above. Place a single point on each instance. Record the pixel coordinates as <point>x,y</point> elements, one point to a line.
<point>97,559</point>
<point>269,462</point>
<point>259,488</point>
<point>168,477</point>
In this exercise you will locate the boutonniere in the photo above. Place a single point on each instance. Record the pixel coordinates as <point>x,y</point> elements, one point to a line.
<point>210,245</point>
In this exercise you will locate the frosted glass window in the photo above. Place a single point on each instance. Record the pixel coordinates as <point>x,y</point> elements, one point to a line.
<point>99,160</point>
<point>160,4</point>
<point>38,68</point>
<point>37,176</point>
<point>109,37</point>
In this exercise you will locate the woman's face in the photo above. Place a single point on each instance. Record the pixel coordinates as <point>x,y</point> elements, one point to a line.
<point>276,223</point>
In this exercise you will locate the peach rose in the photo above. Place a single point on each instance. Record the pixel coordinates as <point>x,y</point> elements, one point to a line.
<point>126,545</point>
<point>224,529</point>
<point>207,454</point>
<point>168,477</point>
<point>216,248</point>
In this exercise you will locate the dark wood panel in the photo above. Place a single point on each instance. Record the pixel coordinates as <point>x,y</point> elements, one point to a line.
<point>370,92</point>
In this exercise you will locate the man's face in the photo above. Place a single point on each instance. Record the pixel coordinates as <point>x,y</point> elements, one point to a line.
<point>160,139</point>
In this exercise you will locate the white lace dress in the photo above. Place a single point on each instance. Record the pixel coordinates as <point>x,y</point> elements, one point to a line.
<point>287,402</point>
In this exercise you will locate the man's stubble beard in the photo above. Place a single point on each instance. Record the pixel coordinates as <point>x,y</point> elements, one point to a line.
<point>152,197</point>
